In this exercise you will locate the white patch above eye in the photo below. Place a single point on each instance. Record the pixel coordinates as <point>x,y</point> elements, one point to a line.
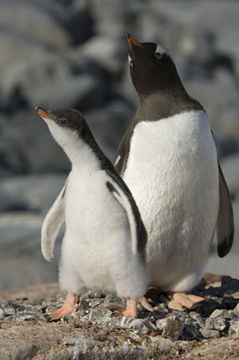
<point>160,50</point>
<point>129,59</point>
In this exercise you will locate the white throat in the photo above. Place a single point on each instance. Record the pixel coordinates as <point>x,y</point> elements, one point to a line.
<point>78,151</point>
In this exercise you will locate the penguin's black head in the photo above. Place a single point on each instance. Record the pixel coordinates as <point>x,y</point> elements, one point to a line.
<point>70,119</point>
<point>151,68</point>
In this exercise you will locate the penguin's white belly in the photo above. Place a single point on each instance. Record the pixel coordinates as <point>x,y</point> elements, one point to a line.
<point>172,173</point>
<point>93,220</point>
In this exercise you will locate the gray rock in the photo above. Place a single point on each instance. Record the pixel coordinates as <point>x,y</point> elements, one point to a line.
<point>220,101</point>
<point>236,309</point>
<point>100,315</point>
<point>139,324</point>
<point>108,124</point>
<point>161,324</point>
<point>108,52</point>
<point>197,318</point>
<point>24,19</point>
<point>27,146</point>
<point>219,324</point>
<point>114,20</point>
<point>209,334</point>
<point>34,193</point>
<point>189,332</point>
<point>16,49</point>
<point>217,313</point>
<point>234,328</point>
<point>80,92</point>
<point>172,329</point>
<point>21,261</point>
<point>230,285</point>
<point>34,73</point>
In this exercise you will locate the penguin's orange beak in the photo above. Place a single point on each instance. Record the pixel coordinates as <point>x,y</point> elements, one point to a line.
<point>133,42</point>
<point>43,113</point>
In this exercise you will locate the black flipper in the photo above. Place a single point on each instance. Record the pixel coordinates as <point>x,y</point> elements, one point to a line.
<point>225,222</point>
<point>122,194</point>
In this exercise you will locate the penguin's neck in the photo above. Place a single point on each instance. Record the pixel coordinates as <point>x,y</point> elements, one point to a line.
<point>163,104</point>
<point>82,157</point>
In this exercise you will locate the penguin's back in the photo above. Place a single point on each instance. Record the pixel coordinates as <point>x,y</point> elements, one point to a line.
<point>176,162</point>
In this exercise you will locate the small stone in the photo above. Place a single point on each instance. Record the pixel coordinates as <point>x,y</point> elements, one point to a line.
<point>232,315</point>
<point>230,285</point>
<point>208,333</point>
<point>10,308</point>
<point>100,315</point>
<point>236,295</point>
<point>94,302</point>
<point>216,313</point>
<point>172,329</point>
<point>91,294</point>
<point>83,305</point>
<point>124,322</point>
<point>134,335</point>
<point>220,324</point>
<point>159,314</point>
<point>216,324</point>
<point>139,324</point>
<point>2,314</point>
<point>189,332</point>
<point>49,300</point>
<point>236,309</point>
<point>198,319</point>
<point>234,328</point>
<point>161,324</point>
<point>23,317</point>
<point>165,345</point>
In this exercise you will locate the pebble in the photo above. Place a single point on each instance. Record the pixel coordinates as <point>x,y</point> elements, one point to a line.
<point>100,315</point>
<point>161,324</point>
<point>208,333</point>
<point>216,313</point>
<point>139,324</point>
<point>216,324</point>
<point>234,328</point>
<point>172,329</point>
<point>189,332</point>
<point>96,307</point>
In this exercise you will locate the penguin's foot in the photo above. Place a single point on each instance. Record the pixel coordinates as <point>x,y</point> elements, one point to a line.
<point>131,308</point>
<point>181,300</point>
<point>67,309</point>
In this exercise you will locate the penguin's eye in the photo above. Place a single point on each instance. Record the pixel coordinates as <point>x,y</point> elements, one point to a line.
<point>63,121</point>
<point>159,52</point>
<point>158,55</point>
<point>130,61</point>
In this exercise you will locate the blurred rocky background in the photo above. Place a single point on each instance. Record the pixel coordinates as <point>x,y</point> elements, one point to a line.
<point>73,53</point>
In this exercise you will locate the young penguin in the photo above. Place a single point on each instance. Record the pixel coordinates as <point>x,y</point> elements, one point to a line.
<point>104,241</point>
<point>168,159</point>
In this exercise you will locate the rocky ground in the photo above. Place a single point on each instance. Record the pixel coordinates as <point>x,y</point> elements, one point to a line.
<point>74,53</point>
<point>96,331</point>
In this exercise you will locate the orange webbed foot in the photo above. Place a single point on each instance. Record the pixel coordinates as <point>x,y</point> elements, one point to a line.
<point>131,308</point>
<point>68,308</point>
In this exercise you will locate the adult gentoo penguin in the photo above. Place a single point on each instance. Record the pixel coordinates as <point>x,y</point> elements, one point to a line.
<point>168,159</point>
<point>104,242</point>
